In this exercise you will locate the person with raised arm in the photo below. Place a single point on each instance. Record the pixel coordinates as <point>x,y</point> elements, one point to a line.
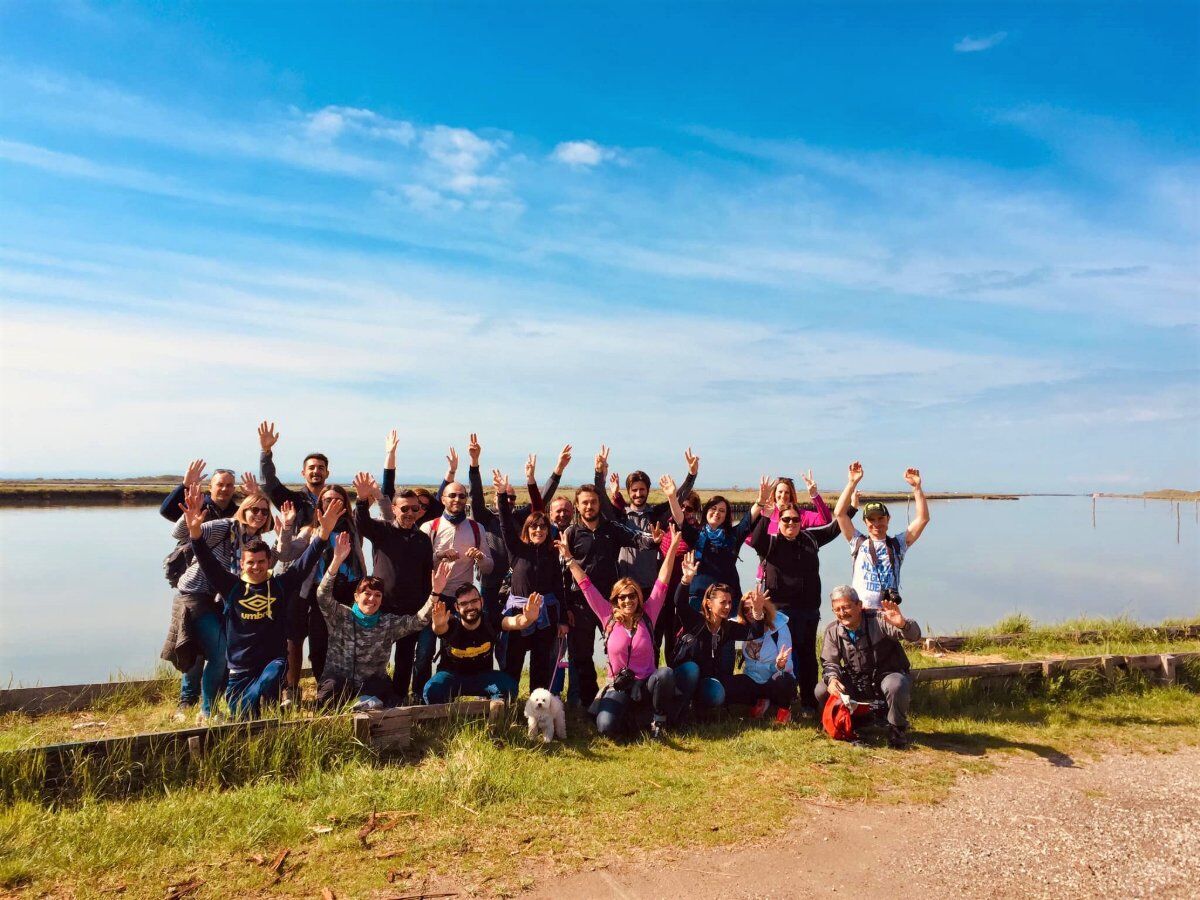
<point>361,636</point>
<point>863,662</point>
<point>716,542</point>
<point>218,502</point>
<point>703,656</point>
<point>634,562</point>
<point>594,542</point>
<point>790,564</point>
<point>402,556</point>
<point>767,677</point>
<point>255,607</point>
<point>638,694</point>
<point>315,472</point>
<point>468,645</point>
<point>876,556</point>
<point>490,583</point>
<point>536,569</point>
<point>431,504</point>
<point>195,642</point>
<point>458,538</point>
<point>308,621</point>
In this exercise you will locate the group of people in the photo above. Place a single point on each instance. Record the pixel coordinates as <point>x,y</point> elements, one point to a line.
<point>490,590</point>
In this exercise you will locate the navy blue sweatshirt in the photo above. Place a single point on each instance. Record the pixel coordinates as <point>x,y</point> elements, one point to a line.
<point>256,615</point>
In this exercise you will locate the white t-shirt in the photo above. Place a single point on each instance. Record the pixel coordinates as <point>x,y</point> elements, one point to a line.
<point>870,576</point>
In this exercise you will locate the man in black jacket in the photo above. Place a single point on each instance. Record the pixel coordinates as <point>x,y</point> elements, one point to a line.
<point>315,472</point>
<point>402,556</point>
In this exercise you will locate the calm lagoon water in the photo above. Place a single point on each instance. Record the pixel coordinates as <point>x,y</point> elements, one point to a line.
<point>82,595</point>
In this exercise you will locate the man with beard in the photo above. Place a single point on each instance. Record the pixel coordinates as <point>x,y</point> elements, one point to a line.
<point>315,472</point>
<point>468,645</point>
<point>595,543</point>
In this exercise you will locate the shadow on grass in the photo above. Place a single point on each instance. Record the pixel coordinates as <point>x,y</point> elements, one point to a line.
<point>974,744</point>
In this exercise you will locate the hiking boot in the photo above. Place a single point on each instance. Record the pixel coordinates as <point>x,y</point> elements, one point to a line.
<point>783,716</point>
<point>898,737</point>
<point>759,709</point>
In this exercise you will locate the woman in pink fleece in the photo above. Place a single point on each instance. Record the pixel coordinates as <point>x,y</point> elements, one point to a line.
<point>637,691</point>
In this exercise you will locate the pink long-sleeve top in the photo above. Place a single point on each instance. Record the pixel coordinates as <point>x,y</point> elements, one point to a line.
<point>634,650</point>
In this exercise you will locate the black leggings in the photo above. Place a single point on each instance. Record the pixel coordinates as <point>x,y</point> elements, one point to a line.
<point>780,690</point>
<point>541,646</point>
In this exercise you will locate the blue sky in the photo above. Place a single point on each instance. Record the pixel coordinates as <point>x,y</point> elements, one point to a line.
<point>959,236</point>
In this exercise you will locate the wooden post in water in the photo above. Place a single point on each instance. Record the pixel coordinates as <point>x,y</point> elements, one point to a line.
<point>1093,510</point>
<point>1177,523</point>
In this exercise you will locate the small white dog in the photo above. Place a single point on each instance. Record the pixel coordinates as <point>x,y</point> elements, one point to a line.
<point>546,716</point>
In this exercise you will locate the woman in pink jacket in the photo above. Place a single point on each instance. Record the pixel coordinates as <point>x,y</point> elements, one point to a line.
<point>638,693</point>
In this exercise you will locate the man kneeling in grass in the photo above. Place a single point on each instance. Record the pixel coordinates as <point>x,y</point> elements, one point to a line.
<point>862,660</point>
<point>256,606</point>
<point>361,637</point>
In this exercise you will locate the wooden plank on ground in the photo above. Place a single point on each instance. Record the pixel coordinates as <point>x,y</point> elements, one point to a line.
<point>71,697</point>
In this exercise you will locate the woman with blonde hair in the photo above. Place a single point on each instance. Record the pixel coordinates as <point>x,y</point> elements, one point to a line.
<point>768,677</point>
<point>638,693</point>
<point>196,630</point>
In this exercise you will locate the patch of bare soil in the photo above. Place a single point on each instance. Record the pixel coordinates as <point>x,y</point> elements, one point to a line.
<point>1122,825</point>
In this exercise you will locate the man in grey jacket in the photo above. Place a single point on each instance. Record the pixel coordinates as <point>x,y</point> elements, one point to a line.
<point>862,658</point>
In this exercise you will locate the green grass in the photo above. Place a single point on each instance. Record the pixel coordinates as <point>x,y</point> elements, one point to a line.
<point>484,808</point>
<point>1103,636</point>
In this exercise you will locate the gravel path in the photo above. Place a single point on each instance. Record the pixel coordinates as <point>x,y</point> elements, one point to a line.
<point>1122,825</point>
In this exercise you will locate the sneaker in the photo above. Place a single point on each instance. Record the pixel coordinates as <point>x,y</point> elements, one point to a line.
<point>783,715</point>
<point>183,711</point>
<point>809,712</point>
<point>291,697</point>
<point>202,719</point>
<point>897,737</point>
<point>759,709</point>
<point>658,730</point>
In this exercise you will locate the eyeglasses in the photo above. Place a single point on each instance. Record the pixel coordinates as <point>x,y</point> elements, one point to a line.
<point>628,595</point>
<point>788,520</point>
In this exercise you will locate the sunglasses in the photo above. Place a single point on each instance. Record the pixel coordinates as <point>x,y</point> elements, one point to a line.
<point>258,509</point>
<point>411,509</point>
<point>789,520</point>
<point>538,526</point>
<point>456,496</point>
<point>628,595</point>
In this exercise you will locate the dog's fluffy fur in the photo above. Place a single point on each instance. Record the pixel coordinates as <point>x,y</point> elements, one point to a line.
<point>546,716</point>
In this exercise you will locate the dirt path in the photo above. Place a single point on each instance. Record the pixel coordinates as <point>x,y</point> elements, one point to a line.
<point>1122,825</point>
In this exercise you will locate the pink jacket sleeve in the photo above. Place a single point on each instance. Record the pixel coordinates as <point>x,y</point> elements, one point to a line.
<point>821,516</point>
<point>654,603</point>
<point>601,607</point>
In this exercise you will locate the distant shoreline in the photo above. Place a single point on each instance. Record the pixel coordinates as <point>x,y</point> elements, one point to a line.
<point>149,491</point>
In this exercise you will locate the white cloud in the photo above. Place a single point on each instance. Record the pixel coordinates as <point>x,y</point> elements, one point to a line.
<point>976,45</point>
<point>333,121</point>
<point>582,154</point>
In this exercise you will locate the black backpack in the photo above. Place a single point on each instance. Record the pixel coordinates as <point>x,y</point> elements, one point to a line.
<point>177,562</point>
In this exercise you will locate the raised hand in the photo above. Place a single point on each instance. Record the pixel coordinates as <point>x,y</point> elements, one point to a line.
<point>614,485</point>
<point>329,518</point>
<point>439,616</point>
<point>364,487</point>
<point>341,549</point>
<point>764,491</point>
<point>391,442</point>
<point>782,657</point>
<point>267,436</point>
<point>602,459</point>
<point>690,566</point>
<point>564,549</point>
<point>754,600</point>
<point>892,614</point>
<point>676,538</point>
<point>451,464</point>
<point>193,510</point>
<point>855,499</point>
<point>249,484</point>
<point>564,459</point>
<point>531,468</point>
<point>441,575</point>
<point>855,472</point>
<point>508,488</point>
<point>473,448</point>
<point>667,483</point>
<point>194,473</point>
<point>287,514</point>
<point>498,483</point>
<point>913,477</point>
<point>693,461</point>
<point>533,608</point>
<point>808,481</point>
<point>656,532</point>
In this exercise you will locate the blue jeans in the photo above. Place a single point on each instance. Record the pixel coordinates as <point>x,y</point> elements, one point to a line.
<point>621,713</point>
<point>706,693</point>
<point>445,686</point>
<point>246,690</point>
<point>204,679</point>
<point>422,667</point>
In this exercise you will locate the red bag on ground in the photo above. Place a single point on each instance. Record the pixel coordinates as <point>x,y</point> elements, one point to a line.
<point>839,721</point>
